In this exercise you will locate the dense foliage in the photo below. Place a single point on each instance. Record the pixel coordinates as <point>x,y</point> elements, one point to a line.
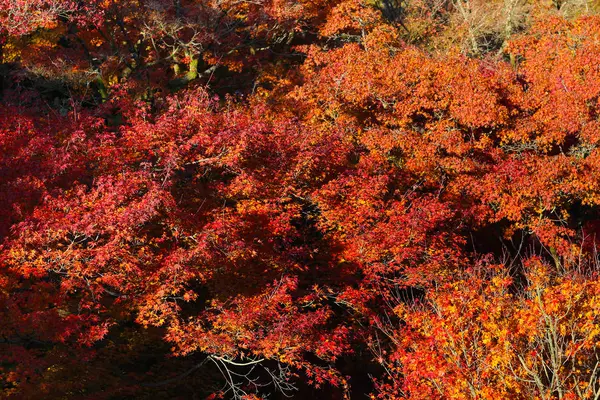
<point>299,198</point>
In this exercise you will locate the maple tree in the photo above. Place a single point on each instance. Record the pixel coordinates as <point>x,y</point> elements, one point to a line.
<point>330,199</point>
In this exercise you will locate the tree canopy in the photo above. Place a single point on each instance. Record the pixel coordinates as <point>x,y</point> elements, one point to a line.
<point>311,198</point>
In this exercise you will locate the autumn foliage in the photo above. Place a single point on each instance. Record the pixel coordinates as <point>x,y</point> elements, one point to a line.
<point>309,199</point>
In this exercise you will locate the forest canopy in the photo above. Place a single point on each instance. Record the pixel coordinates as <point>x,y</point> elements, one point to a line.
<point>332,199</point>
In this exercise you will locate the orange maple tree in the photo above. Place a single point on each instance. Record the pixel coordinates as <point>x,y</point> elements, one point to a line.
<point>330,199</point>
